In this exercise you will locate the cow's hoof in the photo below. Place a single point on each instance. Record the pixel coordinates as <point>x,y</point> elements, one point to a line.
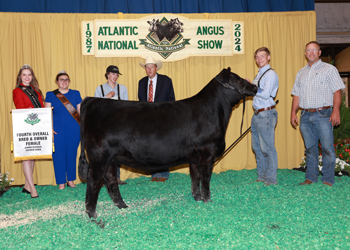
<point>122,205</point>
<point>91,215</point>
<point>197,197</point>
<point>207,200</point>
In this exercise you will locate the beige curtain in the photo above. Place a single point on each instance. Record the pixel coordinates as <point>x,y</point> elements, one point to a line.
<point>52,42</point>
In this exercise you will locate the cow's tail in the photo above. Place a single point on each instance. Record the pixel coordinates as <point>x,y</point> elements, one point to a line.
<point>83,164</point>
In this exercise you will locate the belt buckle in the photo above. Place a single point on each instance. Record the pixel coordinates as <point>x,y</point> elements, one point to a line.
<point>256,112</point>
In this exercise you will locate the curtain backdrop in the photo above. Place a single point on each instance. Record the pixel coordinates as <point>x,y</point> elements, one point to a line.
<point>52,42</point>
<point>155,6</point>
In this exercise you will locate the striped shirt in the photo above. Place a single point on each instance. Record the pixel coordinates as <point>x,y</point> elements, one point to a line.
<point>154,84</point>
<point>316,85</point>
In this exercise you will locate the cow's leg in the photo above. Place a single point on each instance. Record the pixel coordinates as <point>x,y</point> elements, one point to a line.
<point>94,184</point>
<point>195,177</point>
<point>111,183</point>
<point>205,175</point>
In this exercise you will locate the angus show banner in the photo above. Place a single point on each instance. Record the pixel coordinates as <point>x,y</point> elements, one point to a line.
<point>32,133</point>
<point>165,37</point>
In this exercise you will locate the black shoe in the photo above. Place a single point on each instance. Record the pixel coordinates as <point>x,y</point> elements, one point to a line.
<point>25,191</point>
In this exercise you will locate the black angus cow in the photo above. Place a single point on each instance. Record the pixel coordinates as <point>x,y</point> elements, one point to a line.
<point>157,136</point>
<point>168,30</point>
<point>153,25</point>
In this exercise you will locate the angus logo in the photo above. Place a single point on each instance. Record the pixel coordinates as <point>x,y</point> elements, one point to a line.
<point>32,119</point>
<point>164,36</point>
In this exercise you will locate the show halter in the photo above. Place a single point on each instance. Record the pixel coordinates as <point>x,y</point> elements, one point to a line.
<point>241,91</point>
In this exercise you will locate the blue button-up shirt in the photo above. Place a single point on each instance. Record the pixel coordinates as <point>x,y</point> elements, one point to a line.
<point>267,90</point>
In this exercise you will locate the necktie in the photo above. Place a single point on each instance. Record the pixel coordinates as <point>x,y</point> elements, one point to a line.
<point>150,91</point>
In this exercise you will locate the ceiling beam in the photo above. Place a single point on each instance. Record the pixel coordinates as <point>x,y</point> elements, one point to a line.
<point>332,33</point>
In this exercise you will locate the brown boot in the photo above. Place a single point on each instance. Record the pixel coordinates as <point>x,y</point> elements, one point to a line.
<point>306,182</point>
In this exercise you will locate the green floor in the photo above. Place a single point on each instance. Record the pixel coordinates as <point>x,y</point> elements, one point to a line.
<point>243,215</point>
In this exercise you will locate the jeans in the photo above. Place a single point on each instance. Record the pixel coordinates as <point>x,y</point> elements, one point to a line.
<point>314,127</point>
<point>164,174</point>
<point>263,144</point>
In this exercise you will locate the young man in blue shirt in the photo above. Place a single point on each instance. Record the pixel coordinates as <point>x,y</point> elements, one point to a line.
<point>265,118</point>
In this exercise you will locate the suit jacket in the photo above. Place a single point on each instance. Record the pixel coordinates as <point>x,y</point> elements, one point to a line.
<point>22,101</point>
<point>164,89</point>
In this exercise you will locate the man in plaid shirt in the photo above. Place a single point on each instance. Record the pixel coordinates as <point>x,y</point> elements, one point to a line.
<point>317,92</point>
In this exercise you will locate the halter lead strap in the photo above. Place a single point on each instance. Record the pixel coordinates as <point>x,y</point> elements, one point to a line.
<point>226,85</point>
<point>241,91</point>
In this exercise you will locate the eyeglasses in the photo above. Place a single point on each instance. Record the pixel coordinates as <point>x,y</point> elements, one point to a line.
<point>312,50</point>
<point>64,80</point>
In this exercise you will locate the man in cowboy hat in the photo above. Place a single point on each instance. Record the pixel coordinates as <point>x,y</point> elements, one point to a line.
<point>155,88</point>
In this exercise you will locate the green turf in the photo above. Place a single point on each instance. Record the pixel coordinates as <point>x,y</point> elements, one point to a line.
<point>243,214</point>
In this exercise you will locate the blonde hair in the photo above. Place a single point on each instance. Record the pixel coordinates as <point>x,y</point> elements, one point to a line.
<point>262,49</point>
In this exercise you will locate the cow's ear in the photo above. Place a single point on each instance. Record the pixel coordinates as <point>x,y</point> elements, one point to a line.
<point>226,74</point>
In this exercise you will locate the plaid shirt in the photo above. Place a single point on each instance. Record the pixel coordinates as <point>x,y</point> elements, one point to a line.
<point>315,85</point>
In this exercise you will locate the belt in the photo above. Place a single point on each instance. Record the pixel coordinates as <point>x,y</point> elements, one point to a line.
<point>264,109</point>
<point>318,109</point>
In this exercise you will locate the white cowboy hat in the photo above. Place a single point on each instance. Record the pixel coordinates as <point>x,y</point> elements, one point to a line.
<point>150,60</point>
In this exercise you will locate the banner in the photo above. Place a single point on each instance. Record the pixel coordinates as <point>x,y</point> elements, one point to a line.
<point>164,37</point>
<point>32,133</point>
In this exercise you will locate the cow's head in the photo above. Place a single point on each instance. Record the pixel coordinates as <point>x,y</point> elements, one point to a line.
<point>152,25</point>
<point>176,25</point>
<point>236,83</point>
